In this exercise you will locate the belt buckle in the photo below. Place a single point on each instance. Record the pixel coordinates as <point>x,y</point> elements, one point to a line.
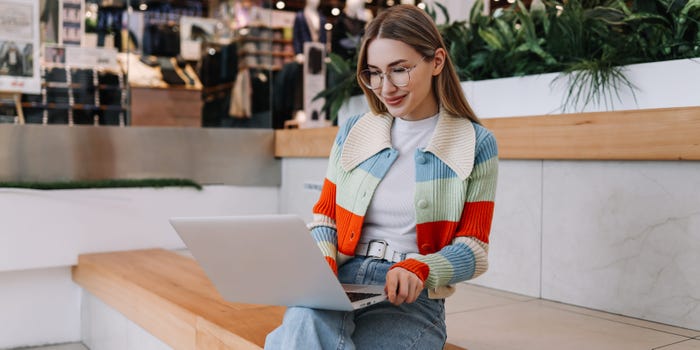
<point>369,245</point>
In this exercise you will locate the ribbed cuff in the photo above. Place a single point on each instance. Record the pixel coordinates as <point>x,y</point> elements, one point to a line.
<point>418,268</point>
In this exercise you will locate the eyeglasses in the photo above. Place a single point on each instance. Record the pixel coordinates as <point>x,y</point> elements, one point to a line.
<point>399,76</point>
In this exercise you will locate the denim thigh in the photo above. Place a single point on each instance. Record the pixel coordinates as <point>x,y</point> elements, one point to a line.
<point>418,325</point>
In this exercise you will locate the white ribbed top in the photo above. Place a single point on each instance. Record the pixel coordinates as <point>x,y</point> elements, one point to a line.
<point>391,215</point>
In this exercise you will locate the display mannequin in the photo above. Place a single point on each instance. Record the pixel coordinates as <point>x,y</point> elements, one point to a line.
<point>247,12</point>
<point>308,26</point>
<point>348,28</point>
<point>356,9</point>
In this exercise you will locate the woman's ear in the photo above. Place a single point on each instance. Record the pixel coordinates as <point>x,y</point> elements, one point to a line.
<point>439,61</point>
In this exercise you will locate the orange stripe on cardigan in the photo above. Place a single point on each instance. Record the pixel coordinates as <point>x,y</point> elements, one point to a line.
<point>475,222</point>
<point>349,227</point>
<point>420,269</point>
<point>332,264</point>
<point>326,202</point>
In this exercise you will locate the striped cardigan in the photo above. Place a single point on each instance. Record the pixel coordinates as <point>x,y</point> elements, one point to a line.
<point>455,188</point>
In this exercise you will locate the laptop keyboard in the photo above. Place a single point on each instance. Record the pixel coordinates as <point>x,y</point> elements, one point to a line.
<point>355,296</point>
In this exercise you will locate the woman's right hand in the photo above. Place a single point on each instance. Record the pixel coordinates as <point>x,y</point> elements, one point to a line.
<point>402,286</point>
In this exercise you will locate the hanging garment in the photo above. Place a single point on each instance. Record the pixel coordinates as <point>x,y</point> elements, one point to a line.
<point>241,96</point>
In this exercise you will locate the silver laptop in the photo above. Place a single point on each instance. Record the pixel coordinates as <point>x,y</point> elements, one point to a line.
<point>269,259</point>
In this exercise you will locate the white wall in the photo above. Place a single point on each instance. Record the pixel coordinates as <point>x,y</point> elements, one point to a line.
<point>624,237</point>
<point>38,307</point>
<point>301,181</point>
<point>104,328</point>
<point>458,10</point>
<point>72,222</point>
<point>43,232</point>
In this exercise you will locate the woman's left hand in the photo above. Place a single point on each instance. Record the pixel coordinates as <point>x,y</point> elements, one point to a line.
<point>402,286</point>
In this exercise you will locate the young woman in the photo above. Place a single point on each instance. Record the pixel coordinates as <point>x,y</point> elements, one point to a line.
<point>408,197</point>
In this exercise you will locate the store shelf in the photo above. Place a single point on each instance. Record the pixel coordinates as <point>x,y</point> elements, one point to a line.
<point>262,39</point>
<point>266,53</point>
<point>76,106</point>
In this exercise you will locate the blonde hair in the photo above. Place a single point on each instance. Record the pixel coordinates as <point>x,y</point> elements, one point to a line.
<point>412,26</point>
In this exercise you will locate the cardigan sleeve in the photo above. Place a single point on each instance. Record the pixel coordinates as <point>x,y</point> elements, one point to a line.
<point>466,257</point>
<point>323,227</point>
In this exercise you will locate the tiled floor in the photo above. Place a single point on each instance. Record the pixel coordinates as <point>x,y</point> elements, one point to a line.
<point>485,319</point>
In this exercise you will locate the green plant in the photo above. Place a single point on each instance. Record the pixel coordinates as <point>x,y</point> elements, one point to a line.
<point>108,183</point>
<point>344,84</point>
<point>588,41</point>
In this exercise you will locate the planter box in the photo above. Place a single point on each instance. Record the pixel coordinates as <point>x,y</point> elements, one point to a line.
<point>659,85</point>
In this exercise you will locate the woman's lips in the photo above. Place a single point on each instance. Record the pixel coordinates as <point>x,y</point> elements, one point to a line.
<point>393,101</point>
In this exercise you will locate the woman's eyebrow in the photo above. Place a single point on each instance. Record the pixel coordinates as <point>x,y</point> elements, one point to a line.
<point>390,64</point>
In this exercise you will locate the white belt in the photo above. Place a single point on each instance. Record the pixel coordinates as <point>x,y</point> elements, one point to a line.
<point>380,249</point>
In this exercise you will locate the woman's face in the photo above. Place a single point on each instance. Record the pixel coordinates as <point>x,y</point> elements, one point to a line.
<point>414,101</point>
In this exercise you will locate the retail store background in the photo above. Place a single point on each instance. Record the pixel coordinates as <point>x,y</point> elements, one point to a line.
<point>636,254</point>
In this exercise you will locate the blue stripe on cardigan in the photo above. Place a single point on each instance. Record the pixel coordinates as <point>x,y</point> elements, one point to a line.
<point>486,145</point>
<point>432,169</point>
<point>378,164</point>
<point>325,233</point>
<point>463,262</point>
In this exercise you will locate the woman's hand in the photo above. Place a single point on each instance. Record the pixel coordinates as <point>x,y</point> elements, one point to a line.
<point>402,286</point>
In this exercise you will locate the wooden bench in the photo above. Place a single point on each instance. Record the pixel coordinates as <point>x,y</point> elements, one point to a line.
<point>170,296</point>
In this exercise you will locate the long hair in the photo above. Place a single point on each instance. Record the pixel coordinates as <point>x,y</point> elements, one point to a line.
<point>412,26</point>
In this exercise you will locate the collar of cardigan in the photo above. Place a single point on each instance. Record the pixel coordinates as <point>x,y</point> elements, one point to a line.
<point>453,141</point>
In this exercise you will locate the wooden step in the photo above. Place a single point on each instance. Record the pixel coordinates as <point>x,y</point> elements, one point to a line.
<point>170,296</point>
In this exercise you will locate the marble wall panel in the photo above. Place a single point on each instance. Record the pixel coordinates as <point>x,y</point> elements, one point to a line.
<point>514,247</point>
<point>624,237</point>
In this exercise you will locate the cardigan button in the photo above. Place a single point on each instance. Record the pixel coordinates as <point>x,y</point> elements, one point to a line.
<point>421,159</point>
<point>422,204</point>
<point>426,247</point>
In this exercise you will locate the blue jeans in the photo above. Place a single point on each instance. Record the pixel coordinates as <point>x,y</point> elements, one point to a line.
<point>419,325</point>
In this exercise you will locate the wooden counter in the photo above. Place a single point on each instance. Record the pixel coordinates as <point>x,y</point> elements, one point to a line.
<point>155,106</point>
<point>646,134</point>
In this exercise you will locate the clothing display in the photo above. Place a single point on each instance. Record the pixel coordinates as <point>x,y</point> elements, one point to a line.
<point>77,96</point>
<point>161,40</point>
<point>304,32</point>
<point>241,95</point>
<point>287,93</point>
<point>219,64</point>
<point>459,166</point>
<point>346,34</point>
<point>170,75</point>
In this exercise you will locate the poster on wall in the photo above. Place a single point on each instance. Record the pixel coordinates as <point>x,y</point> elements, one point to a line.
<point>19,46</point>
<point>71,22</point>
